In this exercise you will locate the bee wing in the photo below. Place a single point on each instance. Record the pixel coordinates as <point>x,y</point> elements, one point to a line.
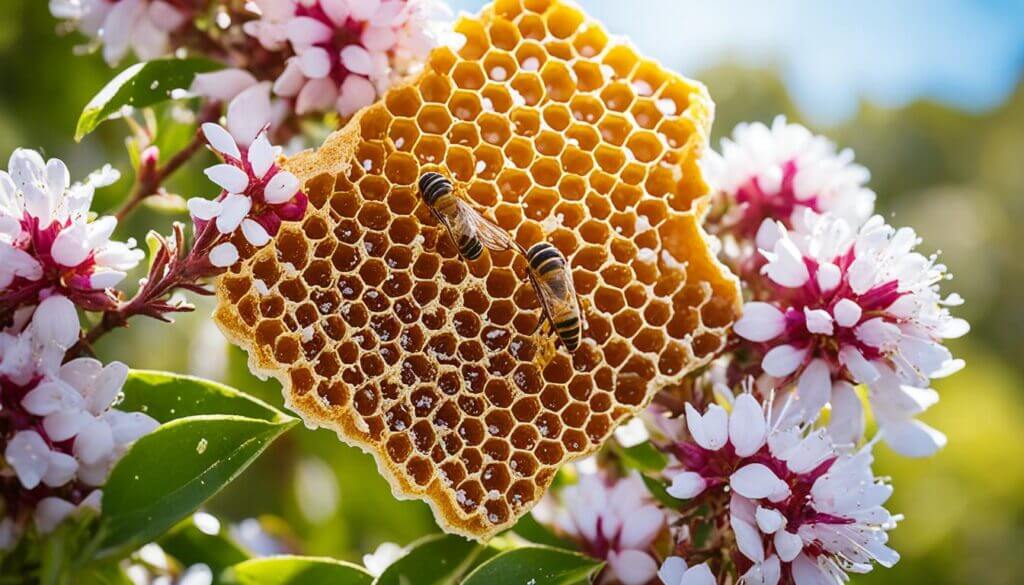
<point>490,235</point>
<point>455,229</point>
<point>555,293</point>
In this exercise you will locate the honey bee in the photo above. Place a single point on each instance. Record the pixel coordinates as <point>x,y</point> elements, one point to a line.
<point>551,279</point>
<point>468,230</point>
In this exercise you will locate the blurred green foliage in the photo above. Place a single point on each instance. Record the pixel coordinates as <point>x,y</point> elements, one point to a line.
<point>958,178</point>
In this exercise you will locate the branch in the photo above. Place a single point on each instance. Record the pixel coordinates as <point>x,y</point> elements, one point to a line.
<point>149,180</point>
<point>174,267</point>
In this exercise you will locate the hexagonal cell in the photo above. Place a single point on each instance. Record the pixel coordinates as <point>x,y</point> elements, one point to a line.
<point>476,43</point>
<point>558,81</point>
<point>435,88</point>
<point>464,105</point>
<point>494,129</point>
<point>617,96</point>
<point>496,97</point>
<point>531,26</point>
<point>403,102</point>
<point>529,87</point>
<point>531,56</point>
<point>468,75</point>
<point>499,66</point>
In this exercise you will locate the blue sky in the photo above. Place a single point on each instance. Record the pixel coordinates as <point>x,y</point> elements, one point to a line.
<point>832,54</point>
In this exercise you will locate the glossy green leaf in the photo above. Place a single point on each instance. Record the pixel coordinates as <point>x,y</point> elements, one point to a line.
<point>291,570</point>
<point>434,560</point>
<point>169,473</point>
<point>190,545</point>
<point>107,573</point>
<point>658,489</point>
<point>166,396</point>
<point>528,528</point>
<point>643,457</point>
<point>535,565</point>
<point>138,86</point>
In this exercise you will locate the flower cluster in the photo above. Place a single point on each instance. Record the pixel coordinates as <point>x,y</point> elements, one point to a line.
<point>614,520</point>
<point>59,432</point>
<point>799,508</point>
<point>257,195</point>
<point>842,314</point>
<point>345,52</point>
<point>321,55</point>
<point>143,27</point>
<point>48,244</point>
<point>771,174</point>
<point>846,306</point>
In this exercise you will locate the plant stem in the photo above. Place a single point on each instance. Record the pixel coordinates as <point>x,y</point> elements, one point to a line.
<point>149,183</point>
<point>174,267</point>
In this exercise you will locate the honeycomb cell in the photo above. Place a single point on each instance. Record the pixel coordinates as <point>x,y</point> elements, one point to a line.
<point>442,368</point>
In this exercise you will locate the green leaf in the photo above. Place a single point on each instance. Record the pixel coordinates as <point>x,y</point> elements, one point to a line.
<point>438,559</point>
<point>166,396</point>
<point>643,457</point>
<point>536,565</point>
<point>190,546</point>
<point>292,570</point>
<point>138,86</point>
<point>107,573</point>
<point>528,528</point>
<point>658,489</point>
<point>169,473</point>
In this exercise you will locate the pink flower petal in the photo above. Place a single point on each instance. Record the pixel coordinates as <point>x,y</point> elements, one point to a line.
<point>315,63</point>
<point>221,140</point>
<point>760,322</point>
<point>356,93</point>
<point>281,188</point>
<point>224,255</point>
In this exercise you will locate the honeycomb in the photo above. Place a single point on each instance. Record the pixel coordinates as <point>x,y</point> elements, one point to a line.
<point>379,330</point>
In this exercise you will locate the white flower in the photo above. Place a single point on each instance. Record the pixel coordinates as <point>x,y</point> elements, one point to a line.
<point>383,557</point>
<point>849,306</point>
<point>47,241</point>
<point>347,52</point>
<point>674,571</point>
<point>51,511</point>
<point>616,521</point>
<point>798,504</point>
<point>62,427</point>
<point>139,26</point>
<point>257,194</point>
<point>770,174</point>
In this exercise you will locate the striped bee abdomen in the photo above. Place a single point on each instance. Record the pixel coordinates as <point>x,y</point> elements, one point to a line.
<point>569,331</point>
<point>543,258</point>
<point>433,186</point>
<point>470,247</point>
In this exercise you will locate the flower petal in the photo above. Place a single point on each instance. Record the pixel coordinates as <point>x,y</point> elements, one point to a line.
<point>249,113</point>
<point>203,209</point>
<point>769,520</point>
<point>224,255</point>
<point>315,63</point>
<point>356,93</point>
<point>94,442</point>
<point>221,140</point>
<point>847,313</point>
<point>687,485</point>
<point>747,426</point>
<point>255,233</point>
<point>260,155</point>
<point>50,512</point>
<point>29,456</point>
<point>228,177</point>
<point>755,480</point>
<point>632,567</point>
<point>787,545</point>
<point>234,208</point>
<point>71,246</point>
<point>760,322</point>
<point>356,59</point>
<point>783,360</point>
<point>281,188</point>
